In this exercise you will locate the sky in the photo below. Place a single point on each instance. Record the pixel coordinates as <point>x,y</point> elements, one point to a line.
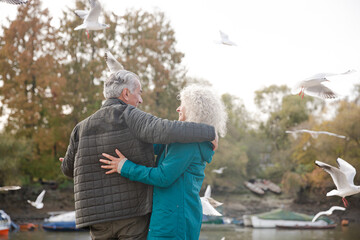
<point>278,41</point>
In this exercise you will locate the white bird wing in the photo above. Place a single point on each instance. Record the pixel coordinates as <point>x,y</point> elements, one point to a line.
<point>208,209</point>
<point>224,37</point>
<point>112,63</point>
<point>214,203</point>
<point>314,134</point>
<point>333,208</point>
<point>347,169</point>
<point>15,1</point>
<point>207,193</point>
<point>317,216</point>
<point>320,91</point>
<point>332,134</point>
<point>339,178</point>
<point>327,75</point>
<point>82,13</point>
<point>40,198</point>
<point>328,212</point>
<point>94,11</point>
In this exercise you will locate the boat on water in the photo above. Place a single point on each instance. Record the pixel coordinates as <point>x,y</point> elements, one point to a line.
<point>5,223</point>
<point>247,220</point>
<point>220,222</point>
<point>61,222</point>
<point>288,219</point>
<point>329,226</point>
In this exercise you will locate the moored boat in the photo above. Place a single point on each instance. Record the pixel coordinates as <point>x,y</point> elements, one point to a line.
<point>254,188</point>
<point>247,220</point>
<point>328,226</point>
<point>5,223</point>
<point>288,219</point>
<point>272,186</point>
<point>61,222</point>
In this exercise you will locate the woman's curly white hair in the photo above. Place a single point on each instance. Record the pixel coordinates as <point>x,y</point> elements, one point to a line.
<point>202,105</point>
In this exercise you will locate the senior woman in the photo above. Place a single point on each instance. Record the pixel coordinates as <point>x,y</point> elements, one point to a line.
<point>179,174</point>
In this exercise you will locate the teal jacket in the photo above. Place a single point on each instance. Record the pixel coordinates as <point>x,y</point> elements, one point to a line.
<point>177,180</point>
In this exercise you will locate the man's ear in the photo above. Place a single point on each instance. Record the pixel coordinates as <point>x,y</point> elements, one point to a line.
<point>125,94</point>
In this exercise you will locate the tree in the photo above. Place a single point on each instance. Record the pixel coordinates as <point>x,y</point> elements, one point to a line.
<point>32,83</point>
<point>232,148</point>
<point>14,153</point>
<point>269,99</point>
<point>148,48</point>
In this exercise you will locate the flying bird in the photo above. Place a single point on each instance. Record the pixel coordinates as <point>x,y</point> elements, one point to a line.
<point>14,1</point>
<point>225,40</point>
<point>9,188</point>
<point>314,134</point>
<point>39,201</point>
<point>112,63</point>
<point>328,212</point>
<point>314,86</point>
<point>343,178</point>
<point>219,171</point>
<point>209,204</point>
<point>212,201</point>
<point>208,209</point>
<point>91,18</point>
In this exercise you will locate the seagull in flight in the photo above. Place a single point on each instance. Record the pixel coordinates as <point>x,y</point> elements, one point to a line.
<point>212,201</point>
<point>219,171</point>
<point>39,201</point>
<point>18,2</point>
<point>112,63</point>
<point>9,188</point>
<point>225,40</point>
<point>343,178</point>
<point>315,134</point>
<point>328,212</point>
<point>314,86</point>
<point>91,18</point>
<point>209,204</point>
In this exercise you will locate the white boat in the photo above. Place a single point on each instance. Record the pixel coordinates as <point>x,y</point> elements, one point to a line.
<point>270,223</point>
<point>287,219</point>
<point>63,217</point>
<point>5,223</point>
<point>61,222</point>
<point>247,220</point>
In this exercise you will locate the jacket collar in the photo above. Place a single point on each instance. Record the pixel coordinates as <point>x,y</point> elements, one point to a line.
<point>112,101</point>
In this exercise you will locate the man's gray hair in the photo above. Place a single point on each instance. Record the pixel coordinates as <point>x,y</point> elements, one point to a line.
<point>203,105</point>
<point>116,83</point>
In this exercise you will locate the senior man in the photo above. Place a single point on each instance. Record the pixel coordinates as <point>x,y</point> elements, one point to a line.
<point>113,206</point>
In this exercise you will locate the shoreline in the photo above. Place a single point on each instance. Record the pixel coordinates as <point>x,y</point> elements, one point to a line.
<point>14,203</point>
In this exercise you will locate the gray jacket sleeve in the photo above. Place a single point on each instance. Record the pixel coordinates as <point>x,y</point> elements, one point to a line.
<point>151,129</point>
<point>67,166</point>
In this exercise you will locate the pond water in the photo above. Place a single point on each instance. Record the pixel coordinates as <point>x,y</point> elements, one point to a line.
<point>350,232</point>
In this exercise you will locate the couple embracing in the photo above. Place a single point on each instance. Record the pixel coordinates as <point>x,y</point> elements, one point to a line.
<point>132,195</point>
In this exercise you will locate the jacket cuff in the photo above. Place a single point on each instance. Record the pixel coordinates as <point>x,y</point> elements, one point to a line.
<point>126,168</point>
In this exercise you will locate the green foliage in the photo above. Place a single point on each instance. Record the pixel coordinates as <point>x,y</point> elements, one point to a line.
<point>13,155</point>
<point>52,80</point>
<point>52,77</point>
<point>147,47</point>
